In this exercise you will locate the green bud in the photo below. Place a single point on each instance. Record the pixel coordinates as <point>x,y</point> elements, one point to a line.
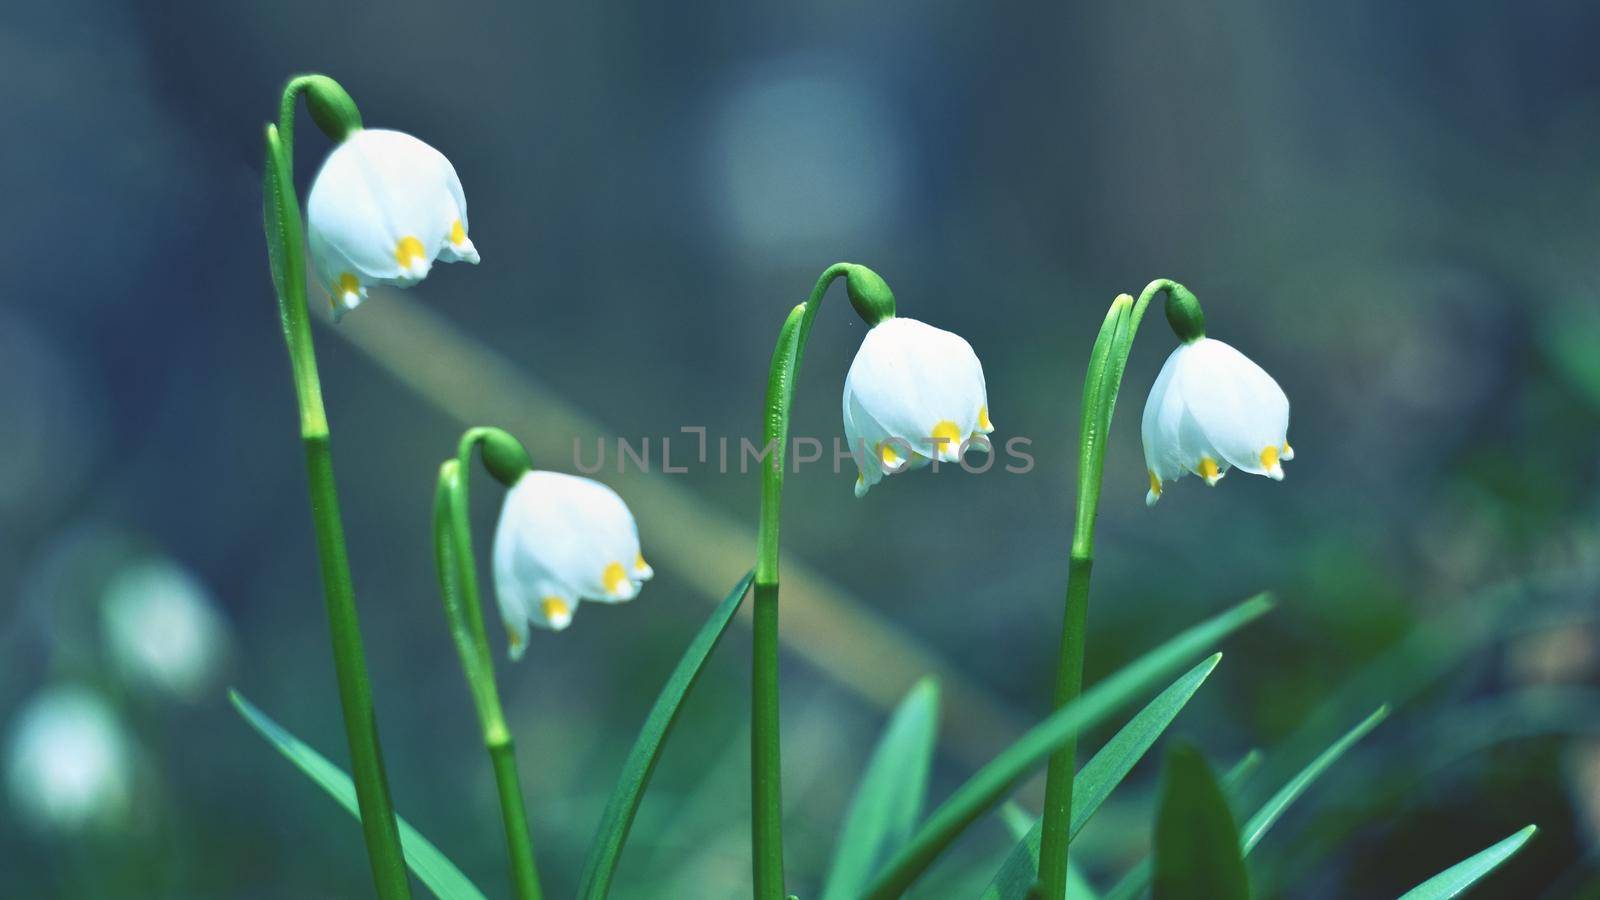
<point>871,297</point>
<point>1184,314</point>
<point>504,456</point>
<point>331,106</point>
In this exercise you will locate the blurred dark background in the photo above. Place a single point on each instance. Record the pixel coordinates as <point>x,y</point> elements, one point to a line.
<point>1394,208</point>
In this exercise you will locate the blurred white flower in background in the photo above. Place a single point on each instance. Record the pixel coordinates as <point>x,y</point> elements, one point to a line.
<point>162,631</point>
<point>67,762</point>
<point>382,209</point>
<point>914,393</point>
<point>562,539</point>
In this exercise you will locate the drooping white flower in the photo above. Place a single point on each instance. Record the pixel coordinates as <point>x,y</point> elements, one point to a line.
<point>383,207</point>
<point>68,764</point>
<point>1211,409</point>
<point>914,393</point>
<point>162,630</point>
<point>562,539</point>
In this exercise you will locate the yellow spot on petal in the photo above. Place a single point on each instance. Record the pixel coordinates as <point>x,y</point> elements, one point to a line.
<point>408,252</point>
<point>1155,483</point>
<point>1269,457</point>
<point>349,284</point>
<point>458,233</point>
<point>514,639</point>
<point>639,563</point>
<point>946,437</point>
<point>983,419</point>
<point>887,455</point>
<point>615,578</point>
<point>556,612</point>
<point>1209,470</point>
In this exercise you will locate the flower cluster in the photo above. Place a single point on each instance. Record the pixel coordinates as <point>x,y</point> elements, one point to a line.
<point>385,206</point>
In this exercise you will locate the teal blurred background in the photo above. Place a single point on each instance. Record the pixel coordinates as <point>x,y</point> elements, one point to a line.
<point>1394,208</point>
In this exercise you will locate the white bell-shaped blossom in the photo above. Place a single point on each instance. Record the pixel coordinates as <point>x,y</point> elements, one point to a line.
<point>383,207</point>
<point>914,393</point>
<point>68,763</point>
<point>1212,409</point>
<point>163,631</point>
<point>562,539</point>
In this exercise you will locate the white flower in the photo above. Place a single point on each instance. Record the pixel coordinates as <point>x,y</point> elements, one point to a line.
<point>162,630</point>
<point>562,539</point>
<point>914,393</point>
<point>383,207</point>
<point>1212,408</point>
<point>67,764</point>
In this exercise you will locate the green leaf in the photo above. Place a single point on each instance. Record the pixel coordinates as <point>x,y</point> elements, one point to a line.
<point>1464,874</point>
<point>1197,851</point>
<point>1094,783</point>
<point>1134,883</point>
<point>1078,887</point>
<point>606,850</point>
<point>889,798</point>
<point>984,789</point>
<point>1274,807</point>
<point>1139,875</point>
<point>1017,820</point>
<point>432,867</point>
<point>1235,776</point>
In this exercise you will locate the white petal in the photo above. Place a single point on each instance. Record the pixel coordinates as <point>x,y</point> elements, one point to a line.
<point>513,585</point>
<point>642,570</point>
<point>457,246</point>
<point>865,436</point>
<point>1163,412</point>
<point>516,631</point>
<point>1236,405</point>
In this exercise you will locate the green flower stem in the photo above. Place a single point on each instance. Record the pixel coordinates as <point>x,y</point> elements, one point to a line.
<point>284,233</point>
<point>873,301</point>
<point>1106,364</point>
<point>458,585</point>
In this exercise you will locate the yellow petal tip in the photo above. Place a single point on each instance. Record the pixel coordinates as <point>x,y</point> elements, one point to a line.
<point>614,579</point>
<point>556,612</point>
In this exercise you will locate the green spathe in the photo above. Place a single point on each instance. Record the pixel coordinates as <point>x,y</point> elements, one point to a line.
<point>869,294</point>
<point>331,106</point>
<point>503,455</point>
